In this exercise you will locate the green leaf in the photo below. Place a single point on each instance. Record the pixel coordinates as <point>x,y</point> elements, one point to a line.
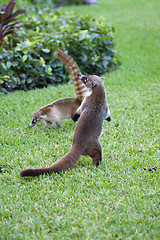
<point>4,65</point>
<point>29,80</point>
<point>3,90</point>
<point>10,73</point>
<point>93,35</point>
<point>8,64</point>
<point>42,61</point>
<point>14,63</point>
<point>5,77</point>
<point>45,50</point>
<point>48,70</point>
<point>24,58</point>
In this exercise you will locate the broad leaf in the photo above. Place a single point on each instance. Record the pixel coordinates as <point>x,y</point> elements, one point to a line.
<point>2,16</point>
<point>9,8</point>
<point>6,17</point>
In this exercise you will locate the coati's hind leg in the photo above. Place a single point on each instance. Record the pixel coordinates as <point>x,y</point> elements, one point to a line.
<point>58,124</point>
<point>95,152</point>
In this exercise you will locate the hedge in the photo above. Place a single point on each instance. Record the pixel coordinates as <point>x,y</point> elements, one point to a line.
<point>30,62</point>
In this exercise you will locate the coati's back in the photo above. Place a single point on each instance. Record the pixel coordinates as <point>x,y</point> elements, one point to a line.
<point>73,68</point>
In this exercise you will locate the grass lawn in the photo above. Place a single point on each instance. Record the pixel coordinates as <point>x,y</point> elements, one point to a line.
<point>119,200</point>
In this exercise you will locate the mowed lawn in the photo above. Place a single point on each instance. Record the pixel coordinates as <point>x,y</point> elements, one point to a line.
<point>118,200</point>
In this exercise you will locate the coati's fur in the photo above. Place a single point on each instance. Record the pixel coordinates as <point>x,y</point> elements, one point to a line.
<point>79,109</point>
<point>88,129</point>
<point>66,107</point>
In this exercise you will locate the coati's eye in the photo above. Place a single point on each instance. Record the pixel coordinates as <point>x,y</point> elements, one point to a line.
<point>94,84</point>
<point>84,79</point>
<point>34,120</point>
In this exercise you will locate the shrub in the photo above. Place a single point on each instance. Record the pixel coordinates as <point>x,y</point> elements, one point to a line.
<point>56,3</point>
<point>67,2</point>
<point>32,63</point>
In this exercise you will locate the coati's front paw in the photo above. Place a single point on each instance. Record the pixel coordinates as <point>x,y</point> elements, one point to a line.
<point>108,118</point>
<point>76,117</point>
<point>48,125</point>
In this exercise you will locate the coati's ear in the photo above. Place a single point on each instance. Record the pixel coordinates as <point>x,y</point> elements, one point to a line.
<point>79,75</point>
<point>94,84</point>
<point>41,113</point>
<point>102,78</point>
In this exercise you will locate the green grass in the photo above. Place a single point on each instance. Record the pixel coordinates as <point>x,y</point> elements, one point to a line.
<point>119,200</point>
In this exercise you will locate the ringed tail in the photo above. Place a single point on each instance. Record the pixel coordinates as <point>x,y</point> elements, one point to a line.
<point>73,68</point>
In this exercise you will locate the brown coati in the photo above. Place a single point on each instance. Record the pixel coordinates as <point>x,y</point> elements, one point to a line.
<point>79,109</point>
<point>88,129</point>
<point>66,107</point>
<point>55,112</point>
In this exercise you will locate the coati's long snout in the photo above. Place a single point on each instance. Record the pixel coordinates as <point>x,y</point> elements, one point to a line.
<point>83,78</point>
<point>36,118</point>
<point>108,116</point>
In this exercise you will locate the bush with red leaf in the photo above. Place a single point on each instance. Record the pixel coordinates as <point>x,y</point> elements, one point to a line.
<point>8,22</point>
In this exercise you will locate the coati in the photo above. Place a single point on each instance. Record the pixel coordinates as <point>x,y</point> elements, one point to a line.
<point>88,129</point>
<point>55,112</point>
<point>79,109</point>
<point>66,107</point>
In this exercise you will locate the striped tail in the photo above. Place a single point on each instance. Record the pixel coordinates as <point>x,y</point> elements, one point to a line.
<point>73,68</point>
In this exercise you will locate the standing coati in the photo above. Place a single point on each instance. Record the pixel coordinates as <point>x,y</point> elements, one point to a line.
<point>66,107</point>
<point>88,129</point>
<point>79,109</point>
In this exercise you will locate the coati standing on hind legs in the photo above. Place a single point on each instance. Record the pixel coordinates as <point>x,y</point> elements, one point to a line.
<point>88,129</point>
<point>66,107</point>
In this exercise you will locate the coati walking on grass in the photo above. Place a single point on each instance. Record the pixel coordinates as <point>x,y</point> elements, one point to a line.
<point>66,107</point>
<point>88,129</point>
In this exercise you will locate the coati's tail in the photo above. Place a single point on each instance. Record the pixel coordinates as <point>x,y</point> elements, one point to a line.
<point>66,162</point>
<point>73,68</point>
